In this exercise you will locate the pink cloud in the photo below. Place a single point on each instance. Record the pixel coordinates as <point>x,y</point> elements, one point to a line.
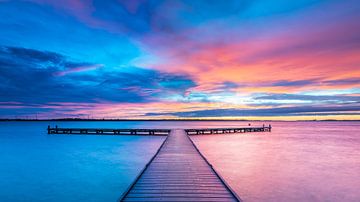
<point>78,69</point>
<point>318,49</point>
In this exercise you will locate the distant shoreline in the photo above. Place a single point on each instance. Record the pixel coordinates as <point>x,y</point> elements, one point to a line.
<point>77,119</point>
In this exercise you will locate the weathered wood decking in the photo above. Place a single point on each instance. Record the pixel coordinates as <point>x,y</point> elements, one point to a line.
<point>178,172</point>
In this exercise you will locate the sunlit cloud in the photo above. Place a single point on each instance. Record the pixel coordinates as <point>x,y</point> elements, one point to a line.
<point>82,68</point>
<point>171,59</point>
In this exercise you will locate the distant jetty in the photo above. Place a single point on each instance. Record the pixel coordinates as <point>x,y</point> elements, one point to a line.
<point>107,131</point>
<point>161,132</point>
<point>210,131</point>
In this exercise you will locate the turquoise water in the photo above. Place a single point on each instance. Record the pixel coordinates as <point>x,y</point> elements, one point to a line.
<point>297,161</point>
<point>37,167</point>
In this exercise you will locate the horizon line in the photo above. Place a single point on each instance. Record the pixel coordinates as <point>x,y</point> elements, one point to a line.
<point>170,119</point>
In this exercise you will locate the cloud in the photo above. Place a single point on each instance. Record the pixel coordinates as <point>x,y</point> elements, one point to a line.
<point>38,77</point>
<point>315,98</point>
<point>143,17</point>
<point>78,68</point>
<point>207,54</point>
<point>30,55</point>
<point>291,51</point>
<point>295,83</point>
<point>276,111</point>
<point>347,81</point>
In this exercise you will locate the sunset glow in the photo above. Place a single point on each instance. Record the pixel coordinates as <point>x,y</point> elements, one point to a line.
<point>259,60</point>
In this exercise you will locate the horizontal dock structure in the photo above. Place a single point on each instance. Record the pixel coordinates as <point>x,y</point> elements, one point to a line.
<point>155,132</point>
<point>178,172</point>
<point>107,131</point>
<point>209,131</point>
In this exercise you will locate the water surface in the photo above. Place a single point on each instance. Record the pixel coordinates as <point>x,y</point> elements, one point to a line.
<point>35,166</point>
<point>297,161</point>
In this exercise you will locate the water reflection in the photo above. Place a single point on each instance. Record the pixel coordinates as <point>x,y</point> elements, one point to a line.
<point>297,161</point>
<point>303,161</point>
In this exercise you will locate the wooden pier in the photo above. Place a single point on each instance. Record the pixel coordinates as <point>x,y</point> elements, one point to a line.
<point>209,131</point>
<point>107,131</point>
<point>155,132</point>
<point>178,172</point>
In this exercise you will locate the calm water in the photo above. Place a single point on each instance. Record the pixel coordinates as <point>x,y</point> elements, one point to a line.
<point>297,161</point>
<point>37,167</point>
<point>302,161</point>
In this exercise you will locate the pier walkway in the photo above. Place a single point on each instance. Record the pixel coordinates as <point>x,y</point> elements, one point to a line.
<point>178,172</point>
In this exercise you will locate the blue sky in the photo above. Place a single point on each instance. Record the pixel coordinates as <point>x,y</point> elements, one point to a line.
<point>178,59</point>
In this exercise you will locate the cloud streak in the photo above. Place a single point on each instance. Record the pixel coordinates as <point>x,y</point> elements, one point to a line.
<point>276,111</point>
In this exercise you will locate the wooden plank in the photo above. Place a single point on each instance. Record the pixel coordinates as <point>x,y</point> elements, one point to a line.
<point>173,199</point>
<point>179,172</point>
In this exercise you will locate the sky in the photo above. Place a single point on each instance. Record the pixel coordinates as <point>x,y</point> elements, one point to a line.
<point>156,59</point>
